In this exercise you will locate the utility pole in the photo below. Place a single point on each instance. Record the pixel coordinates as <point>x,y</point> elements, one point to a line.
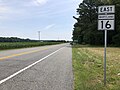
<point>39,35</point>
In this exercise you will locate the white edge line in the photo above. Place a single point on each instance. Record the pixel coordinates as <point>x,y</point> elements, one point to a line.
<point>20,71</point>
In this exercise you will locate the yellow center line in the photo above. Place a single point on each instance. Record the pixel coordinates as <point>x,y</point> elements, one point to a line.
<point>20,54</point>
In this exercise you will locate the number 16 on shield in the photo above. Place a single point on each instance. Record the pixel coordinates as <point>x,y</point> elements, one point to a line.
<point>106,25</point>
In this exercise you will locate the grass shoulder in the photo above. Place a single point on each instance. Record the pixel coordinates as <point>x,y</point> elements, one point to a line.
<point>88,68</point>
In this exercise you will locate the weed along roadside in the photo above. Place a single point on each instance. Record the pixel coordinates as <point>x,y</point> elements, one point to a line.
<point>88,68</point>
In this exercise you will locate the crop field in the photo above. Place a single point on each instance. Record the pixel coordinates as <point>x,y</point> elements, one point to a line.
<point>88,68</point>
<point>14,45</point>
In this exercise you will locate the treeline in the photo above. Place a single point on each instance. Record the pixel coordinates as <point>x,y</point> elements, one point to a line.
<point>15,39</point>
<point>85,29</point>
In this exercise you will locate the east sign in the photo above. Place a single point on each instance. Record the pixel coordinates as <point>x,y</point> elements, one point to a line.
<point>106,17</point>
<point>106,9</point>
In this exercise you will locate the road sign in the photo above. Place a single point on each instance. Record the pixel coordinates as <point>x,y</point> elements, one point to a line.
<point>106,9</point>
<point>106,17</point>
<point>105,24</point>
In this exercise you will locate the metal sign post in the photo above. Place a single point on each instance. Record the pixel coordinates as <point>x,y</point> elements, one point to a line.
<point>105,57</point>
<point>106,22</point>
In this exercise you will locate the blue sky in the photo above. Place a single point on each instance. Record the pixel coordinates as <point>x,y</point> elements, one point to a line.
<point>24,18</point>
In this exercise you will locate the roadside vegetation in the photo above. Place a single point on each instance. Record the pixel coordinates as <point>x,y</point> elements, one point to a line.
<point>14,45</point>
<point>85,29</point>
<point>88,60</point>
<point>88,68</point>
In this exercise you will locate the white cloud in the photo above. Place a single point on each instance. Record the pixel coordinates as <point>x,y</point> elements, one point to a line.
<point>77,0</point>
<point>11,8</point>
<point>49,26</point>
<point>4,9</point>
<point>40,2</point>
<point>10,13</point>
<point>35,3</point>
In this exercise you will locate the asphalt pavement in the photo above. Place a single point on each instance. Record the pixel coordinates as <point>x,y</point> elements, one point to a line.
<point>38,68</point>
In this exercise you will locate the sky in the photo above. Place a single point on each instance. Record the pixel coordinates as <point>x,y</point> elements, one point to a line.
<point>24,18</point>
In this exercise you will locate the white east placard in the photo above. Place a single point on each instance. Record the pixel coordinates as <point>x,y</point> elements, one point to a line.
<point>105,24</point>
<point>106,9</point>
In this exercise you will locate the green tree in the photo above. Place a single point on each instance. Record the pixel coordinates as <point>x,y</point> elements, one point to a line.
<point>85,29</point>
<point>87,22</point>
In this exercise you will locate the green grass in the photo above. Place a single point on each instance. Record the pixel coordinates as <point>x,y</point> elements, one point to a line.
<point>14,45</point>
<point>88,68</point>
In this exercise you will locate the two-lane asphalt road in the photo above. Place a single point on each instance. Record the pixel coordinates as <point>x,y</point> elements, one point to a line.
<point>39,68</point>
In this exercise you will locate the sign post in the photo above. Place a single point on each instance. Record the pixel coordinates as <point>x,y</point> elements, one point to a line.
<point>106,20</point>
<point>105,57</point>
